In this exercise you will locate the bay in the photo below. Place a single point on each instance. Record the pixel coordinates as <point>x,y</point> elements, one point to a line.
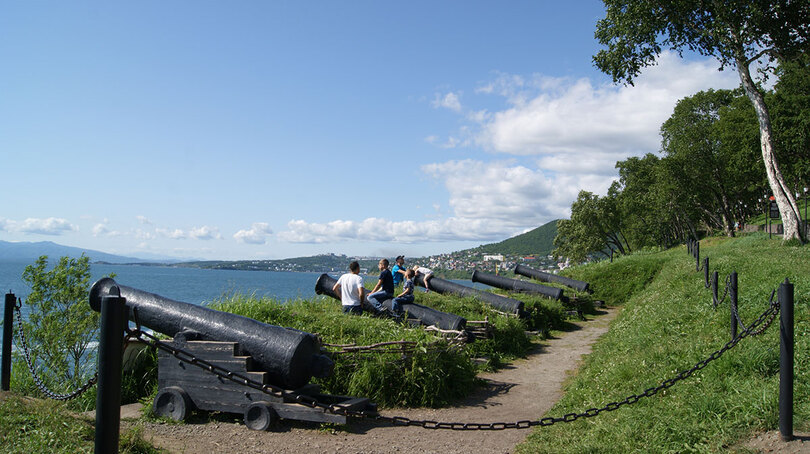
<point>192,285</point>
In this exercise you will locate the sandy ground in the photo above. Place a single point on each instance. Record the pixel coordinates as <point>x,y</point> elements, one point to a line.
<point>523,391</point>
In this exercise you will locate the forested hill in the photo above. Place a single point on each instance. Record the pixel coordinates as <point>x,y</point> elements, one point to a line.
<point>539,241</point>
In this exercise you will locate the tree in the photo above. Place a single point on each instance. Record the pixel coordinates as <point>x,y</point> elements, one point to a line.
<point>707,154</point>
<point>61,324</point>
<point>594,228</point>
<point>791,124</point>
<point>738,33</point>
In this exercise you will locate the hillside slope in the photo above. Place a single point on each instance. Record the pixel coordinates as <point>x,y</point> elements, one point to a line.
<point>539,241</point>
<point>668,324</point>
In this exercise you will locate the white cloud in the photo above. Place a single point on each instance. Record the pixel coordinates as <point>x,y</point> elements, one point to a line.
<point>48,226</point>
<point>144,235</point>
<point>565,135</point>
<point>176,234</point>
<point>143,220</point>
<point>376,229</point>
<point>205,233</point>
<point>100,230</point>
<point>448,101</point>
<point>257,234</point>
<point>563,118</point>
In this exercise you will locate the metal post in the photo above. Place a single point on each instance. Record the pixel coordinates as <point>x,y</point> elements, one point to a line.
<point>786,361</point>
<point>732,292</point>
<point>108,399</point>
<point>8,327</point>
<point>715,278</point>
<point>697,255</point>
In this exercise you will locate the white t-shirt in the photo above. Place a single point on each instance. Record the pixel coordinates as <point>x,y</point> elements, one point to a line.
<point>350,285</point>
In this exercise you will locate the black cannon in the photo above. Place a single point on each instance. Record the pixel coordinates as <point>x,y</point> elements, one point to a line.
<point>548,277</point>
<point>516,285</point>
<point>427,316</point>
<point>268,354</point>
<point>499,302</point>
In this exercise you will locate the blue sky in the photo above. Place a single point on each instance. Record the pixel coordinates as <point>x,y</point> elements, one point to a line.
<point>253,130</point>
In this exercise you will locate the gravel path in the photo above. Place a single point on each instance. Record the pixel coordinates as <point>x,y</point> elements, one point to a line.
<point>524,390</point>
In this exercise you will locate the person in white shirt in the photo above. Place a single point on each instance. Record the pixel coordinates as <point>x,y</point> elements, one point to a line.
<point>426,274</point>
<point>351,290</point>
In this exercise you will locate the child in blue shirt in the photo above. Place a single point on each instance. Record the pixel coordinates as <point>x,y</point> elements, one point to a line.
<point>407,293</point>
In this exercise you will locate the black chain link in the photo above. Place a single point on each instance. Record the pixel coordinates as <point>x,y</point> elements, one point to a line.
<point>38,381</point>
<point>767,323</point>
<point>430,424</point>
<point>715,301</point>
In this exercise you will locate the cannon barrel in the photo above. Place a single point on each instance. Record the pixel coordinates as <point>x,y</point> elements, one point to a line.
<point>290,357</point>
<point>548,277</point>
<point>427,315</point>
<point>516,285</point>
<point>499,302</point>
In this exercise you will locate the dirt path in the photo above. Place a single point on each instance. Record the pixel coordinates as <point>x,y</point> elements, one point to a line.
<point>525,390</point>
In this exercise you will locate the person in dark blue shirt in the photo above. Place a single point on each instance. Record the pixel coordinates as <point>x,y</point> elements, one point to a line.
<point>384,290</point>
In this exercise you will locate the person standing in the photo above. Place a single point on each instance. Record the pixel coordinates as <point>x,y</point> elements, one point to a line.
<point>351,290</point>
<point>386,282</point>
<point>398,271</point>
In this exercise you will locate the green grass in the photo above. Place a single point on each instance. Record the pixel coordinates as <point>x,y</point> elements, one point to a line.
<point>667,325</point>
<point>34,426</point>
<point>434,375</point>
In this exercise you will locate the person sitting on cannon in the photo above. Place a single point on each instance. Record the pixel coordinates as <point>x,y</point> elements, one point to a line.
<point>351,290</point>
<point>426,273</point>
<point>385,286</point>
<point>407,293</point>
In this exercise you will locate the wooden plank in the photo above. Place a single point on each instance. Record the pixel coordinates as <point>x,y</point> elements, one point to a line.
<point>210,350</point>
<point>227,401</point>
<point>358,403</point>
<point>302,413</point>
<point>181,377</point>
<point>311,389</point>
<point>239,364</point>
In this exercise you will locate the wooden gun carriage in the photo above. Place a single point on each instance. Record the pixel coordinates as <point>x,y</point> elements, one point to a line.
<point>185,387</point>
<point>267,354</point>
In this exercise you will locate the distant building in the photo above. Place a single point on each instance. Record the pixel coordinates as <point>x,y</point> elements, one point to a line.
<point>498,257</point>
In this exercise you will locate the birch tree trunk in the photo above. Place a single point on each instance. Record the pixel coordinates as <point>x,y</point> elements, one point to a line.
<point>788,209</point>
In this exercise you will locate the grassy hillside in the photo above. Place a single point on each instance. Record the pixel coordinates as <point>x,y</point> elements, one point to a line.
<point>668,325</point>
<point>539,241</point>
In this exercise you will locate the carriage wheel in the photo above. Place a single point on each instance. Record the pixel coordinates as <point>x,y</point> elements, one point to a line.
<point>260,416</point>
<point>172,402</point>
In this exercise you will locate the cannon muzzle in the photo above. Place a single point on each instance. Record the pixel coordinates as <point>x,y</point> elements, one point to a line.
<point>515,285</point>
<point>524,270</point>
<point>502,303</point>
<point>289,356</point>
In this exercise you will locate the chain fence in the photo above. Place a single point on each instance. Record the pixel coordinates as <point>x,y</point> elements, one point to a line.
<point>31,367</point>
<point>311,402</point>
<point>759,326</point>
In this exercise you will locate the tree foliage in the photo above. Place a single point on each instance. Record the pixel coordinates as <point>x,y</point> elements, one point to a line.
<point>61,325</point>
<point>737,33</point>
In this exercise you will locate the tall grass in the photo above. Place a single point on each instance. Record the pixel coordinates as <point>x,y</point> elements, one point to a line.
<point>668,324</point>
<point>434,375</point>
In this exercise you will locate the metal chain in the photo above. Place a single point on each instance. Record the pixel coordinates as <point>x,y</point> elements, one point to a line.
<point>767,322</point>
<point>716,302</point>
<point>38,381</point>
<point>430,424</point>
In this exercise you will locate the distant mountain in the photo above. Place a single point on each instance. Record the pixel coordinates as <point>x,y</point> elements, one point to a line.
<point>32,251</point>
<point>539,241</point>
